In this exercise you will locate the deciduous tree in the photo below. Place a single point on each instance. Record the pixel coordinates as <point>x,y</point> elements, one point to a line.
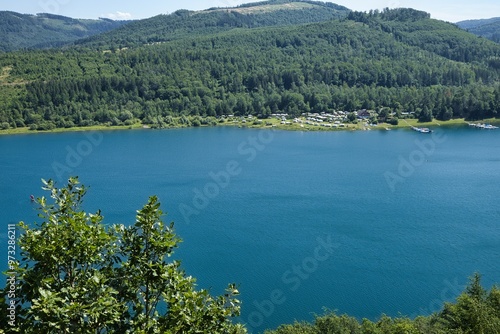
<point>77,275</point>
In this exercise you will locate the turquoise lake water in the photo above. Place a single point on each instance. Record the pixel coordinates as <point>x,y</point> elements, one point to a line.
<point>363,223</point>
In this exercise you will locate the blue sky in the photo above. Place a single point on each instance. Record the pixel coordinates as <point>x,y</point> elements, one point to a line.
<point>448,10</point>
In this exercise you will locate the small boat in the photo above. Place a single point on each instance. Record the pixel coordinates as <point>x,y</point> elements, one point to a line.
<point>32,198</point>
<point>477,125</point>
<point>422,130</point>
<point>483,126</point>
<point>387,129</point>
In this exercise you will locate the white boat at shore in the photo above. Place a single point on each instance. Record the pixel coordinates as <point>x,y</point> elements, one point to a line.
<point>483,126</point>
<point>422,130</point>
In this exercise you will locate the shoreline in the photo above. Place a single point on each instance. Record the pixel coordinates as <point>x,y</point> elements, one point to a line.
<point>265,124</point>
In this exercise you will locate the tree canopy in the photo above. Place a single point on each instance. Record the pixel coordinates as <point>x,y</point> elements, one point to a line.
<point>77,275</point>
<point>476,311</point>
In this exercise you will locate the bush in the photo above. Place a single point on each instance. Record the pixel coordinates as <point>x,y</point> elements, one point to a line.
<point>115,121</point>
<point>69,124</point>
<point>475,311</point>
<point>20,123</point>
<point>86,122</point>
<point>83,290</point>
<point>394,121</point>
<point>46,126</point>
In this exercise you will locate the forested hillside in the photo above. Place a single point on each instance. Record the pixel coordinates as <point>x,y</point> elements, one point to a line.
<point>489,28</point>
<point>186,24</point>
<point>20,31</point>
<point>400,59</point>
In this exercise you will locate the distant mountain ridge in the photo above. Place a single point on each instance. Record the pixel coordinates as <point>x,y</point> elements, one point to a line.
<point>488,28</point>
<point>185,23</point>
<point>23,31</point>
<point>468,24</point>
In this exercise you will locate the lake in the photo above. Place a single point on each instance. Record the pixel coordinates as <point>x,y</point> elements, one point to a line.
<point>363,223</point>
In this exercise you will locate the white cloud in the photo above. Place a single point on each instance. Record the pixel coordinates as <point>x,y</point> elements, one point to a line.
<point>119,16</point>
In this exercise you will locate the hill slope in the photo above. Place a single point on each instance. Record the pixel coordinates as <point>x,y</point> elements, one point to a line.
<point>467,24</point>
<point>184,23</point>
<point>20,31</point>
<point>364,61</point>
<point>489,28</point>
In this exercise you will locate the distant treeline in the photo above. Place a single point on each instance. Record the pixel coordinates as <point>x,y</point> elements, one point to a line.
<point>476,311</point>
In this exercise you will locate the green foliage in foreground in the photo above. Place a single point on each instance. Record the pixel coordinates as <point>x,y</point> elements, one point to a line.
<point>475,312</point>
<point>77,275</point>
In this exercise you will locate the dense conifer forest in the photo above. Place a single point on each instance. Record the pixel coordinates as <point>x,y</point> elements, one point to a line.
<point>398,59</point>
<point>185,23</point>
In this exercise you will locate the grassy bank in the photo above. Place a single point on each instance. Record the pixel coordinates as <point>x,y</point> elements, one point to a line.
<point>267,123</point>
<point>26,130</point>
